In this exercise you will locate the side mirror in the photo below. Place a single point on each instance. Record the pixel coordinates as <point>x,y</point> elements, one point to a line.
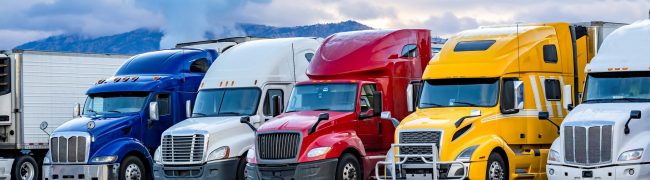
<point>76,112</point>
<point>543,116</point>
<point>276,106</point>
<point>634,114</point>
<point>377,103</point>
<point>321,117</point>
<point>387,116</point>
<point>153,111</point>
<point>546,116</point>
<point>567,101</point>
<point>43,126</point>
<point>188,108</point>
<point>409,98</point>
<point>519,95</point>
<point>247,120</point>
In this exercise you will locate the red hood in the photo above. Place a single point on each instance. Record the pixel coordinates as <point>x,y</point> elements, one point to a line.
<point>301,121</point>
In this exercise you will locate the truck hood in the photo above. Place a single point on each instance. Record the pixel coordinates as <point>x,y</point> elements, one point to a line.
<point>614,112</point>
<point>302,121</point>
<point>103,124</point>
<point>440,118</point>
<point>203,125</point>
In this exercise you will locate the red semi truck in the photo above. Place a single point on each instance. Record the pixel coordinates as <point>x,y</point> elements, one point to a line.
<point>332,127</point>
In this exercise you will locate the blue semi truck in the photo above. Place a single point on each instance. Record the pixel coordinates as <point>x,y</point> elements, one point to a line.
<point>120,124</point>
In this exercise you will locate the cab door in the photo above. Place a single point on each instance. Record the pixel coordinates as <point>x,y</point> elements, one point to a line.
<point>368,122</point>
<point>153,131</point>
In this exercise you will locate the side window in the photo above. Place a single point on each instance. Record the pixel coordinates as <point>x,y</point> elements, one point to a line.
<point>267,101</point>
<point>367,94</point>
<point>199,66</point>
<point>309,56</point>
<point>553,90</point>
<point>163,104</point>
<point>409,51</point>
<point>550,53</point>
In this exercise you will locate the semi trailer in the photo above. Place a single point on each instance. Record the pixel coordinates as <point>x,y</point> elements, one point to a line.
<point>491,101</point>
<point>606,137</point>
<point>251,80</point>
<point>37,92</point>
<point>119,126</point>
<point>331,128</point>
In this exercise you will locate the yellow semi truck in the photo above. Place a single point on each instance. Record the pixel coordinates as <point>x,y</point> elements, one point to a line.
<point>491,101</point>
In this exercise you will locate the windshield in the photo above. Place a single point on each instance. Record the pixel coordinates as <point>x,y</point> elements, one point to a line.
<point>113,103</point>
<point>323,97</point>
<point>226,102</point>
<point>460,93</point>
<point>623,87</point>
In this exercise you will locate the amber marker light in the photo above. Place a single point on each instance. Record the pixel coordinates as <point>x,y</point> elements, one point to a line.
<point>134,78</point>
<point>116,79</point>
<point>155,78</point>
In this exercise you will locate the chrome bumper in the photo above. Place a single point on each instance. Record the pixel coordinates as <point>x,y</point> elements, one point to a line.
<point>90,172</point>
<point>396,161</point>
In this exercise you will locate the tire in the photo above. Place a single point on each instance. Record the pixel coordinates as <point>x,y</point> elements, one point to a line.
<point>496,168</point>
<point>348,168</point>
<point>132,168</point>
<point>241,169</point>
<point>25,167</point>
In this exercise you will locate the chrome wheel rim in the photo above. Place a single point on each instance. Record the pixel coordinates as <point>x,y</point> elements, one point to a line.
<point>132,172</point>
<point>496,171</point>
<point>27,171</point>
<point>349,172</point>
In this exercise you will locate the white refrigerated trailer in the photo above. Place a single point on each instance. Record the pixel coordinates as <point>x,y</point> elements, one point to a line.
<point>38,91</point>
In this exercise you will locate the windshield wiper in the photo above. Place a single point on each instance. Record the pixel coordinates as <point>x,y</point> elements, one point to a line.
<point>92,111</point>
<point>465,103</point>
<point>230,113</point>
<point>432,104</point>
<point>114,111</point>
<point>321,109</point>
<point>199,115</point>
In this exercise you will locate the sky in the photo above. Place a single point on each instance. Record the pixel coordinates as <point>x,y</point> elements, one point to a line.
<point>185,20</point>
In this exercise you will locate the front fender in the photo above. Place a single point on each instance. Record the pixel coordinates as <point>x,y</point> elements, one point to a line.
<point>121,147</point>
<point>338,141</point>
<point>486,144</point>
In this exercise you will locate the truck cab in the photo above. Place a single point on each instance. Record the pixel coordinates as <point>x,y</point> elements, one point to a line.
<point>606,136</point>
<point>120,124</point>
<point>331,128</point>
<point>251,80</point>
<point>483,96</point>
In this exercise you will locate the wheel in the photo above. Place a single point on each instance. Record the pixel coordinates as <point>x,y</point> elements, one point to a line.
<point>25,168</point>
<point>496,169</point>
<point>348,168</point>
<point>132,168</point>
<point>241,169</point>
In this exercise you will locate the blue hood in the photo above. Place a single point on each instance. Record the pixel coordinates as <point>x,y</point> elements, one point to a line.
<point>104,124</point>
<point>141,84</point>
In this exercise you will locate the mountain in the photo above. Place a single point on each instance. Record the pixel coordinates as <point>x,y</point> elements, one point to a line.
<point>144,40</point>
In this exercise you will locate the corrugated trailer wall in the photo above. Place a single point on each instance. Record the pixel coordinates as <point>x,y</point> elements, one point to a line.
<point>52,83</point>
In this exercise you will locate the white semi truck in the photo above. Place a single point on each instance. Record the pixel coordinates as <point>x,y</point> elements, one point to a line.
<point>38,91</point>
<point>607,135</point>
<point>251,81</point>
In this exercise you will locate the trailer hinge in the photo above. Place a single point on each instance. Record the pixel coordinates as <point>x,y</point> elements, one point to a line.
<point>16,110</point>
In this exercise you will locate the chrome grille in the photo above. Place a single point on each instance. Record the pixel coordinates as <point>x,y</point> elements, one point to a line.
<point>588,145</point>
<point>72,149</point>
<point>276,146</point>
<point>183,148</point>
<point>419,137</point>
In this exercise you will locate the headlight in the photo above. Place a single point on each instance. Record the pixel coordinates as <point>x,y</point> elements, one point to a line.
<point>157,156</point>
<point>104,159</point>
<point>466,154</point>
<point>318,151</point>
<point>631,155</point>
<point>250,156</point>
<point>553,156</point>
<point>219,153</point>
